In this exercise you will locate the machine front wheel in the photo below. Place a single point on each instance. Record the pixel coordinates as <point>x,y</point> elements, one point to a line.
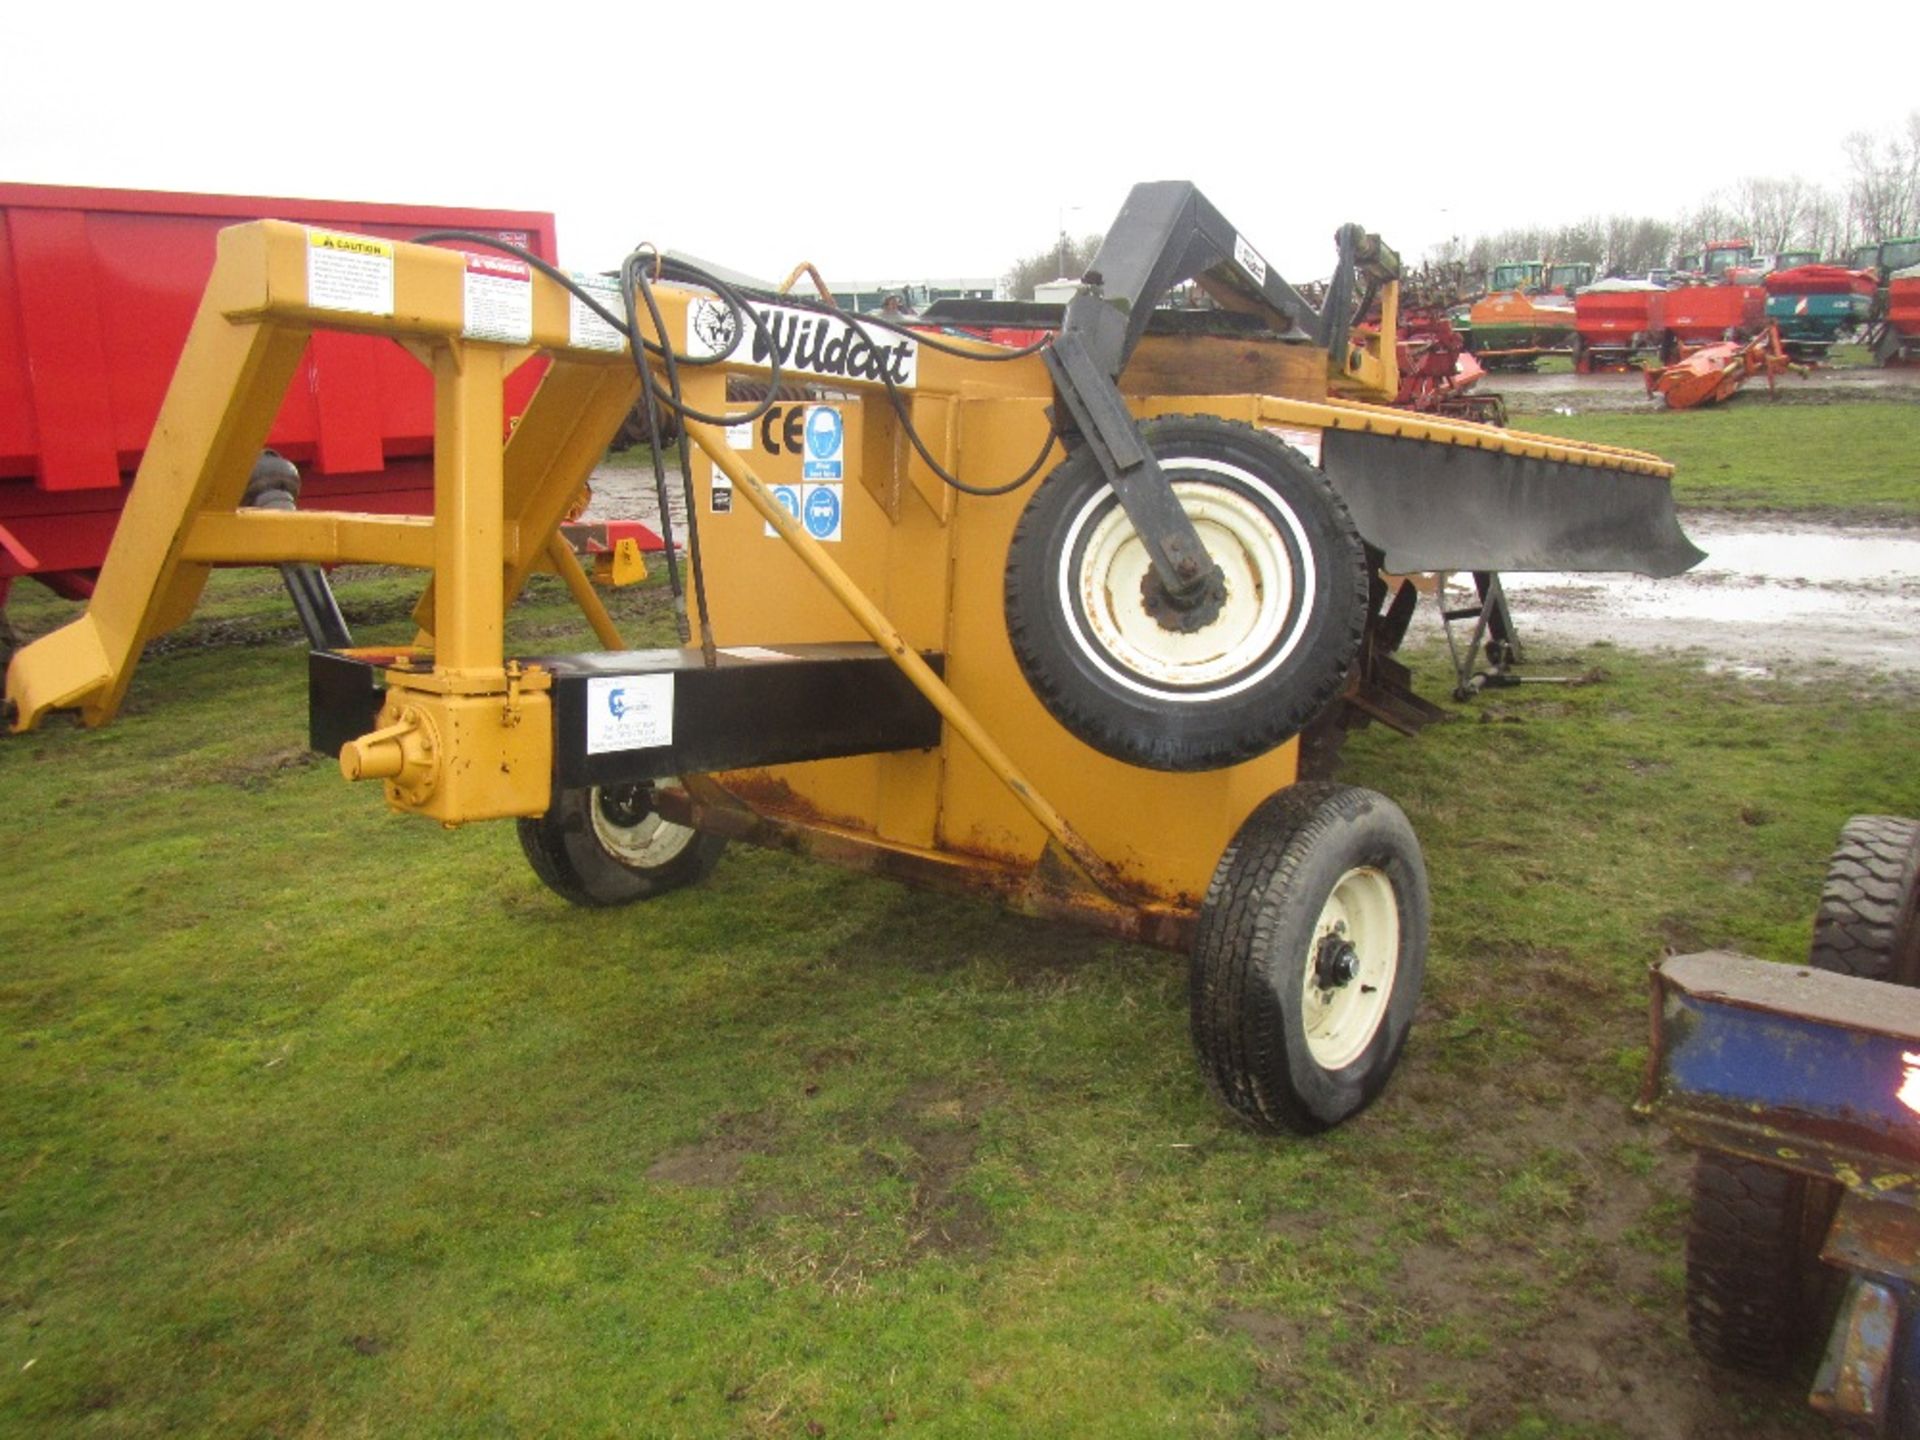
<point>608,845</point>
<point>1196,685</point>
<point>1308,957</point>
<point>1757,1294</point>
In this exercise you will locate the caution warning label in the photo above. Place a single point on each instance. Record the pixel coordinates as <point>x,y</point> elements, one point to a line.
<point>349,272</point>
<point>499,299</point>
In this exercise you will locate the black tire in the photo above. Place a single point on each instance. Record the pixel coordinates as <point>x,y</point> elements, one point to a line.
<point>1868,923</point>
<point>1274,1057</point>
<point>607,846</point>
<point>1757,1294</point>
<point>1280,648</point>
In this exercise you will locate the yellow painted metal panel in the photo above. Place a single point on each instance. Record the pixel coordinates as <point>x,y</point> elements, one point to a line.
<point>1163,832</point>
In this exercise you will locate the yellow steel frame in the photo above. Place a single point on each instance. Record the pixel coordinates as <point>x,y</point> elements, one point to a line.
<point>469,736</point>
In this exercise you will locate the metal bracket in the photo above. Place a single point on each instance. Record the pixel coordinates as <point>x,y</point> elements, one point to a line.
<point>1107,427</point>
<point>1168,233</point>
<point>1492,630</point>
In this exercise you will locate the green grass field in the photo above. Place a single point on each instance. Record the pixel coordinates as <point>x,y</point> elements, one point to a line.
<point>316,1120</point>
<point>320,1121</point>
<point>1859,460</point>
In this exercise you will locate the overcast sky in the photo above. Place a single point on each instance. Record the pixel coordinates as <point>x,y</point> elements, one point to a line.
<point>896,141</point>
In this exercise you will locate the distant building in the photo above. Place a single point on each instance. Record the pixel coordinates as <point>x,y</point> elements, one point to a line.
<point>864,295</point>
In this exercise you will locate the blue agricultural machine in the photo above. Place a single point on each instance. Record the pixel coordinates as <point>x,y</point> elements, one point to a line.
<point>1799,1086</point>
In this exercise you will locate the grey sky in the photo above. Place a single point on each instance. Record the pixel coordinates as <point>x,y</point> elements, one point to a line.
<point>890,140</point>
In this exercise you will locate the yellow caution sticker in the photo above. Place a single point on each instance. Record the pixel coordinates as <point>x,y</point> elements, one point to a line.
<point>349,272</point>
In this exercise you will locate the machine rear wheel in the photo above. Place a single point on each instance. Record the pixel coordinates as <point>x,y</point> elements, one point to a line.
<point>1120,666</point>
<point>607,845</point>
<point>1868,923</point>
<point>1308,957</point>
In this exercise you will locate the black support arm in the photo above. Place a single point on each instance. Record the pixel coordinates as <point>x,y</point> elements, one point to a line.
<point>1168,233</point>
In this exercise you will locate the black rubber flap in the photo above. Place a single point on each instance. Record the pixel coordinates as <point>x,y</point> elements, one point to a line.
<point>1431,506</point>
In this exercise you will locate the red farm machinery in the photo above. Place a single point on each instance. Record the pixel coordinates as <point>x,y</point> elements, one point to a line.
<point>1616,320</point>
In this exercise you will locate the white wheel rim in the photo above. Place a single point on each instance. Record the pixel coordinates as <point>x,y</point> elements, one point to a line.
<point>643,846</point>
<point>1261,620</point>
<point>1341,1019</point>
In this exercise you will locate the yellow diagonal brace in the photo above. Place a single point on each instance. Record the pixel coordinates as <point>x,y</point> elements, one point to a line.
<point>567,567</point>
<point>888,637</point>
<point>210,431</point>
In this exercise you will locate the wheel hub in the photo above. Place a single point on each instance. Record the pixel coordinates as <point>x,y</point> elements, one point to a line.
<point>630,829</point>
<point>626,805</point>
<point>1184,614</point>
<point>1337,962</point>
<point>1347,978</point>
<point>1236,627</point>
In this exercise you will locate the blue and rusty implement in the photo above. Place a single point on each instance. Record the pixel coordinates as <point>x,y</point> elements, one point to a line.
<point>1816,1073</point>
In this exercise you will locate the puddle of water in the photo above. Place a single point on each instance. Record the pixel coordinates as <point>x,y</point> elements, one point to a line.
<point>1762,594</point>
<point>1735,599</point>
<point>1818,556</point>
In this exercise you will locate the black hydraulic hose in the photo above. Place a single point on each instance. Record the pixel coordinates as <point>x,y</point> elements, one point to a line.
<point>741,312</point>
<point>652,411</point>
<point>739,309</point>
<point>633,278</point>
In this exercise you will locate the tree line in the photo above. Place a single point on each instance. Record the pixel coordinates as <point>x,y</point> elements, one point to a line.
<point>1066,257</point>
<point>1878,200</point>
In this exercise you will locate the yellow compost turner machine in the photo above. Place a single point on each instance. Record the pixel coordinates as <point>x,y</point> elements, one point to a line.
<point>1082,694</point>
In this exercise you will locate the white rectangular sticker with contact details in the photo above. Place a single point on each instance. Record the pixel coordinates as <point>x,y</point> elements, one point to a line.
<point>629,712</point>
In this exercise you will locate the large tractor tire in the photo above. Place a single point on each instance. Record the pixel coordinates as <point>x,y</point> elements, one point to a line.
<point>1757,1294</point>
<point>1118,666</point>
<point>607,846</point>
<point>1308,958</point>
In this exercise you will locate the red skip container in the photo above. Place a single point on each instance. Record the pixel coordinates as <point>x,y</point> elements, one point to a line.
<point>97,291</point>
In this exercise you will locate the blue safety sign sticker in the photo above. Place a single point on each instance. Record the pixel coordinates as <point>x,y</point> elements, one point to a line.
<point>826,449</point>
<point>822,512</point>
<point>789,498</point>
<point>819,508</point>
